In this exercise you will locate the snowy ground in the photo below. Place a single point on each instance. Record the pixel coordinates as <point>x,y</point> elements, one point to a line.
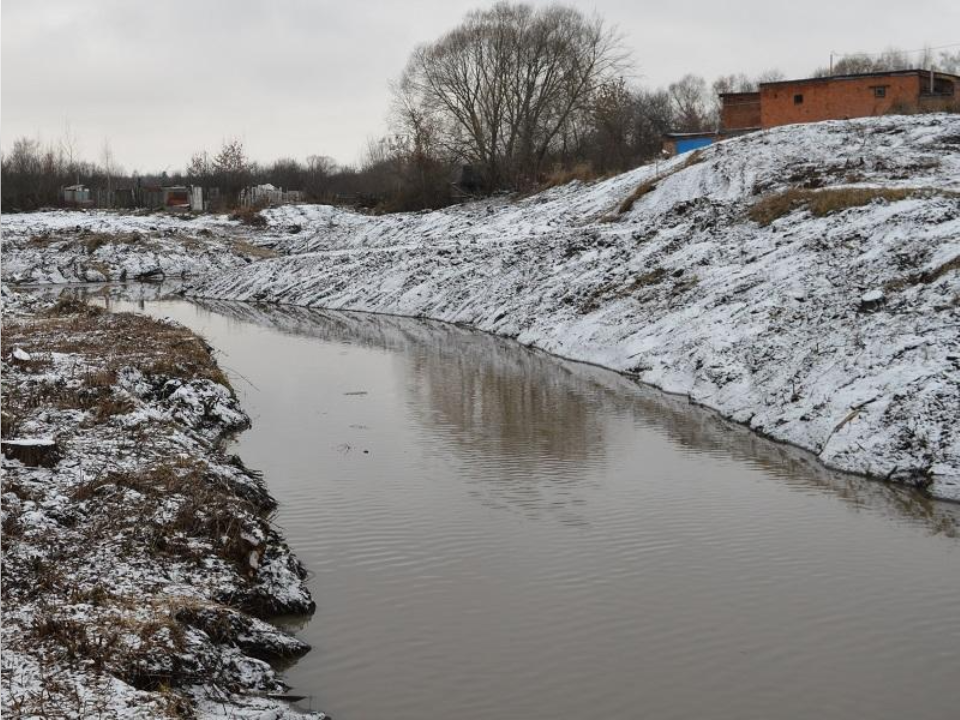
<point>833,327</point>
<point>67,246</point>
<point>139,562</point>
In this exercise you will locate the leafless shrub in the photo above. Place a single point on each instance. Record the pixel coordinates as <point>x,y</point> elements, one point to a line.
<point>250,215</point>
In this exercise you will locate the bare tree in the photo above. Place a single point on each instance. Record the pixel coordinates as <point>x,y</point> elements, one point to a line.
<point>889,59</point>
<point>69,149</point>
<point>231,169</point>
<point>948,62</point>
<point>108,163</point>
<point>691,103</point>
<point>498,90</point>
<point>199,168</point>
<point>316,176</point>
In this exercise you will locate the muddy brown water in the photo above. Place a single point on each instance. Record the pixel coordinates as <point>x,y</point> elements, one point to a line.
<point>493,532</point>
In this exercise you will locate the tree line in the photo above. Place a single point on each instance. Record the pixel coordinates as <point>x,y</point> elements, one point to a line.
<point>514,98</point>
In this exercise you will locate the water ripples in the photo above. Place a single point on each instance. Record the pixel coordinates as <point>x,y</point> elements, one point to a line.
<point>528,538</point>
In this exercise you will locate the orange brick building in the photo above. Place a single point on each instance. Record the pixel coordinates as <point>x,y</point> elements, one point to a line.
<point>838,97</point>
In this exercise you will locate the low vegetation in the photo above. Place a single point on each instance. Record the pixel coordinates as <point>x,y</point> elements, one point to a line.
<point>650,185</point>
<point>831,200</point>
<point>136,489</point>
<point>924,278</point>
<point>250,215</point>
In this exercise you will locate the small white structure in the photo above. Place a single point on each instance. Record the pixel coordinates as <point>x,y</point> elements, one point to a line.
<point>196,198</point>
<point>76,195</point>
<point>268,194</point>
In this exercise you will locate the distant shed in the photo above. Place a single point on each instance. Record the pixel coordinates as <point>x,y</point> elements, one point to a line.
<point>76,196</point>
<point>679,143</point>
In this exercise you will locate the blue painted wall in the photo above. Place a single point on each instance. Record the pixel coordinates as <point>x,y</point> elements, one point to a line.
<point>688,144</point>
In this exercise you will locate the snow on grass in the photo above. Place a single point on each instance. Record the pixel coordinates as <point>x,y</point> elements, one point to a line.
<point>832,325</point>
<point>137,556</point>
<point>64,246</point>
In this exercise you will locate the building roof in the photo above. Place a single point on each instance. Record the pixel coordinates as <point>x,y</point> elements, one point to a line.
<point>687,135</point>
<point>752,95</point>
<point>855,76</point>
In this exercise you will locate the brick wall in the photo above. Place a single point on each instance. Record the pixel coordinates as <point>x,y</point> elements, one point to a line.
<point>836,99</point>
<point>740,110</point>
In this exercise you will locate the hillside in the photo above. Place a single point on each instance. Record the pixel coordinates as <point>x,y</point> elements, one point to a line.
<point>802,281</point>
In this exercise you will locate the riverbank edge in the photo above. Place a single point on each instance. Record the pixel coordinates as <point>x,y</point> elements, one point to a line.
<point>105,636</point>
<point>921,487</point>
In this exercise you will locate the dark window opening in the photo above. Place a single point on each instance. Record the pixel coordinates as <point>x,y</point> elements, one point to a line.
<point>798,99</point>
<point>880,92</point>
<point>941,86</point>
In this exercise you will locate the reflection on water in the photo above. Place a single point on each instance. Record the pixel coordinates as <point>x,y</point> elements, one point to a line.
<point>495,532</point>
<point>522,409</point>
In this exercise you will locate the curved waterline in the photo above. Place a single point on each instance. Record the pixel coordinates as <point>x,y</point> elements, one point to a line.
<point>494,530</point>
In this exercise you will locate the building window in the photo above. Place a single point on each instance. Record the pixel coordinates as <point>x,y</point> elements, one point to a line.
<point>880,92</point>
<point>798,99</point>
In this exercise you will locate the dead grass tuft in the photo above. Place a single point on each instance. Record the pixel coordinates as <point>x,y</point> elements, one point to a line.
<point>826,202</point>
<point>924,278</point>
<point>582,172</point>
<point>641,190</point>
<point>244,248</point>
<point>210,510</point>
<point>115,340</point>
<point>92,242</point>
<point>650,185</point>
<point>250,215</point>
<point>69,305</point>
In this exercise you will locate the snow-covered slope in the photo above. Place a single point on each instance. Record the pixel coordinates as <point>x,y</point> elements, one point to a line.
<point>63,246</point>
<point>837,331</point>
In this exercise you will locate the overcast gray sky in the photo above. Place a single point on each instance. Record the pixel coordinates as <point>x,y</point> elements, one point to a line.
<point>302,77</point>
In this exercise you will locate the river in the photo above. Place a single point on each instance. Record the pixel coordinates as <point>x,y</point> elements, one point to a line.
<point>494,532</point>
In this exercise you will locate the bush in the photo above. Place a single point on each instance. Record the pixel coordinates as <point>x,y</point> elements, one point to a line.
<point>250,215</point>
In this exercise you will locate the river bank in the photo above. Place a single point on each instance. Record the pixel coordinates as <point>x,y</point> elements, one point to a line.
<point>139,560</point>
<point>492,530</point>
<point>78,246</point>
<point>802,281</point>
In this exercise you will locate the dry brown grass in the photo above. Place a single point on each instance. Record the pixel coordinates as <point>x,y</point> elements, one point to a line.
<point>42,240</point>
<point>91,242</point>
<point>826,202</point>
<point>650,185</point>
<point>210,510</point>
<point>653,277</point>
<point>583,172</point>
<point>175,510</point>
<point>641,190</point>
<point>103,343</point>
<point>924,278</point>
<point>244,248</point>
<point>250,215</point>
<point>69,305</point>
<point>115,340</point>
